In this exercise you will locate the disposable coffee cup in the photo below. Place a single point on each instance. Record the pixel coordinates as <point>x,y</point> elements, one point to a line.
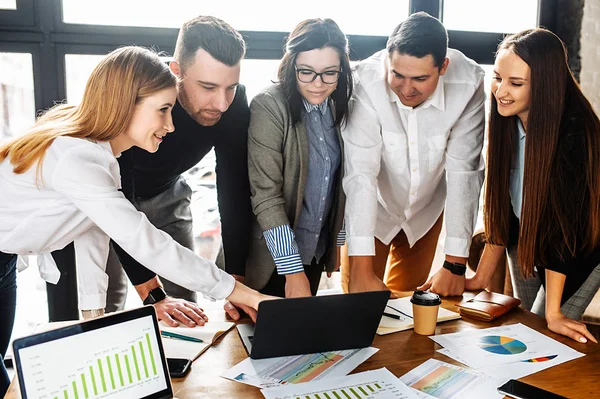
<point>425,307</point>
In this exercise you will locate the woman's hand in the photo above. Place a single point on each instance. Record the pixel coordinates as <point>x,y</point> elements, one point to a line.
<point>573,329</point>
<point>297,285</point>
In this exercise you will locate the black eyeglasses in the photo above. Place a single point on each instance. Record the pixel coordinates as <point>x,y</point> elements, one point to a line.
<point>309,76</point>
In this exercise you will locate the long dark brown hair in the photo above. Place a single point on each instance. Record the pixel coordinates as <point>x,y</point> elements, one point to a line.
<point>552,221</point>
<point>308,35</point>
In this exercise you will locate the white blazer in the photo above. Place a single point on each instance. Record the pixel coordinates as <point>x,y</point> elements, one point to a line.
<point>78,199</point>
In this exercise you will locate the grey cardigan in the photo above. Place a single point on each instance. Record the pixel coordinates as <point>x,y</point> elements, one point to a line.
<point>277,167</point>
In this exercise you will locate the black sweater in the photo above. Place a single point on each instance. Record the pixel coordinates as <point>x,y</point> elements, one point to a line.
<point>144,175</point>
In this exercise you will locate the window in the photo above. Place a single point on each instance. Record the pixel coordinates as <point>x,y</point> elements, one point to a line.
<point>507,16</point>
<point>17,100</point>
<point>8,4</point>
<point>257,74</point>
<point>258,15</point>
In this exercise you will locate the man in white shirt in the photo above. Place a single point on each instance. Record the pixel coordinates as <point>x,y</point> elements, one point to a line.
<point>413,153</point>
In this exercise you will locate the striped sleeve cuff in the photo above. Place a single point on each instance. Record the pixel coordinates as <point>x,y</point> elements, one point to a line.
<point>284,250</point>
<point>341,238</point>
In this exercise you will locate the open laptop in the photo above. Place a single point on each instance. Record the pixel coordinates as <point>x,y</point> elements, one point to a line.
<point>117,356</point>
<point>297,326</point>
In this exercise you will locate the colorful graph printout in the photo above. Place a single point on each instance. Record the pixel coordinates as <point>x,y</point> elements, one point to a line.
<point>501,345</point>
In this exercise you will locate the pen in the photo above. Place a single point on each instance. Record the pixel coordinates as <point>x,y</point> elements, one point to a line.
<point>393,316</point>
<point>399,311</point>
<point>169,334</point>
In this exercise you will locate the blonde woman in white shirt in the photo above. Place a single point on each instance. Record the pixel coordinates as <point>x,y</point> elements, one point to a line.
<point>412,153</point>
<point>59,183</point>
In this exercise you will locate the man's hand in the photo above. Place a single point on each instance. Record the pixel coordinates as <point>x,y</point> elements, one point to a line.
<point>173,311</point>
<point>573,329</point>
<point>445,283</point>
<point>297,285</point>
<point>362,277</point>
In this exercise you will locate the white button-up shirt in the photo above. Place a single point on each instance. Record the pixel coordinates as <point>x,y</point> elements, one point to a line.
<point>78,200</point>
<point>404,165</point>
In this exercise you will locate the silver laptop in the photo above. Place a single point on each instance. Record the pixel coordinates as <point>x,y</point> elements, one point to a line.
<point>117,356</point>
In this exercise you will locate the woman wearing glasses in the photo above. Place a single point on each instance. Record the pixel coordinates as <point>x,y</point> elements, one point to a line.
<point>295,163</point>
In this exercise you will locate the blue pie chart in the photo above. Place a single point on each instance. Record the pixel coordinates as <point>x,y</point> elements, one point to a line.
<point>501,345</point>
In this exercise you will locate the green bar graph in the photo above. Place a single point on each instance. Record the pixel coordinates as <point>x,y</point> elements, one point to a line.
<point>137,367</point>
<point>336,395</point>
<point>378,386</point>
<point>144,360</point>
<point>93,380</point>
<point>326,395</point>
<point>110,372</point>
<point>371,389</point>
<point>345,394</point>
<point>363,391</point>
<point>80,385</point>
<point>85,391</point>
<point>354,392</point>
<point>317,396</point>
<point>128,369</point>
<point>119,369</point>
<point>151,354</point>
<point>102,376</point>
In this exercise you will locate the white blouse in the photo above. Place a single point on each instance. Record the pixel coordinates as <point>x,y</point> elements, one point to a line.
<point>78,200</point>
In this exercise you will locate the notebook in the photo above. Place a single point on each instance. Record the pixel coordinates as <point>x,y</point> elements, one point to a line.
<point>116,356</point>
<point>181,348</point>
<point>297,326</point>
<point>402,309</point>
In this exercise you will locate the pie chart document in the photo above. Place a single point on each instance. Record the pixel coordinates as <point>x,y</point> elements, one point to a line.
<point>514,343</point>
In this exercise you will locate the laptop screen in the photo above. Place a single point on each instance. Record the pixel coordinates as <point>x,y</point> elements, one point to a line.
<point>119,356</point>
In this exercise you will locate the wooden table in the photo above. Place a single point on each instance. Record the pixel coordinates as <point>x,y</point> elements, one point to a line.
<point>399,352</point>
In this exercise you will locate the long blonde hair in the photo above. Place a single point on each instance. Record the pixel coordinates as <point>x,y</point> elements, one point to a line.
<point>117,84</point>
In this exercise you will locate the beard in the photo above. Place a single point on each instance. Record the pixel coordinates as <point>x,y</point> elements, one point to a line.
<point>204,117</point>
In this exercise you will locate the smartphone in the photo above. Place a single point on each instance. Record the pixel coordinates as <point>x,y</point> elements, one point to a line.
<point>179,367</point>
<point>520,390</point>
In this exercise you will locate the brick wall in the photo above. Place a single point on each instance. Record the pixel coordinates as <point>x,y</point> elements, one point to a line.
<point>590,52</point>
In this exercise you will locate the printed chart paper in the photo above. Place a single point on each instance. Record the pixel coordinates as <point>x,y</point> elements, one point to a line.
<point>490,350</point>
<point>376,384</point>
<point>264,373</point>
<point>436,379</point>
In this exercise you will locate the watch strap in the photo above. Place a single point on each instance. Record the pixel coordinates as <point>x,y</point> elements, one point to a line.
<point>155,295</point>
<point>455,268</point>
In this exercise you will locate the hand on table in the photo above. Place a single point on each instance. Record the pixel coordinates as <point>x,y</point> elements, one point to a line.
<point>573,329</point>
<point>173,311</point>
<point>445,283</point>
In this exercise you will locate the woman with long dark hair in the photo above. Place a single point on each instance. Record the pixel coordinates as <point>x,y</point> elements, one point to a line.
<point>542,199</point>
<point>295,163</point>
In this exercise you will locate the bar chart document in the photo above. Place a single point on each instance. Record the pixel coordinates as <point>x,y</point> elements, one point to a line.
<point>376,384</point>
<point>121,361</point>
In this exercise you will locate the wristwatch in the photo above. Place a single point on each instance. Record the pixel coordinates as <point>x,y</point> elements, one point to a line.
<point>455,268</point>
<point>156,295</point>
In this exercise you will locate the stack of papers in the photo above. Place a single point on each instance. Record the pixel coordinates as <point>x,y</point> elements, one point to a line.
<point>264,373</point>
<point>505,352</point>
<point>369,384</point>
